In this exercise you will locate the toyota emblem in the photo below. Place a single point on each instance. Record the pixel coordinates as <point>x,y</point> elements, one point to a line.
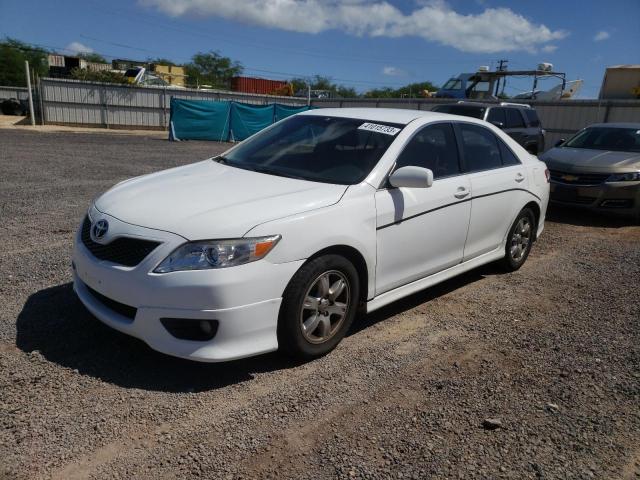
<point>100,229</point>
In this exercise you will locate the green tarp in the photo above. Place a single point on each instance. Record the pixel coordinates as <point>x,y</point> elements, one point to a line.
<point>223,121</point>
<point>199,120</point>
<point>249,119</point>
<point>284,111</point>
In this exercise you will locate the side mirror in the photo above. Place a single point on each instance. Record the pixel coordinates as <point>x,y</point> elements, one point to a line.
<point>560,142</point>
<point>411,177</point>
<point>497,124</point>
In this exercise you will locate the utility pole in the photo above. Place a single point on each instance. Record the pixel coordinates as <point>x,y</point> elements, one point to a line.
<point>308,94</point>
<point>31,114</point>
<point>502,67</point>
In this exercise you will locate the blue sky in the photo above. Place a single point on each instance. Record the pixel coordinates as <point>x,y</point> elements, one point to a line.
<point>364,44</point>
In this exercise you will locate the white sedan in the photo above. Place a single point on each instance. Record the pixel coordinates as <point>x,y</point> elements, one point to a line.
<point>277,243</point>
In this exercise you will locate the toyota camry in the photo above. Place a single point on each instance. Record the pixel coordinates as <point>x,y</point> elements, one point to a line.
<point>278,242</point>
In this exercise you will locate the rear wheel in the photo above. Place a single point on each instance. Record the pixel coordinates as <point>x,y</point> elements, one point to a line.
<point>318,307</point>
<point>519,240</point>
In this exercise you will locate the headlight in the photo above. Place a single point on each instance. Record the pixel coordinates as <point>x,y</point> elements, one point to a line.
<point>207,254</point>
<point>624,177</point>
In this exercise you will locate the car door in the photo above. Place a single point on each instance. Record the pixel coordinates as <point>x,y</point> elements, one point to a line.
<point>496,115</point>
<point>497,181</point>
<point>421,231</point>
<point>515,126</point>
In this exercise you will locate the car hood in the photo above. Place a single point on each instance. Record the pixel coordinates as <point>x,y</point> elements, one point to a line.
<point>209,200</point>
<point>590,160</point>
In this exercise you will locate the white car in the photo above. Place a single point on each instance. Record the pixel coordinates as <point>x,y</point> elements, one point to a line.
<point>276,243</point>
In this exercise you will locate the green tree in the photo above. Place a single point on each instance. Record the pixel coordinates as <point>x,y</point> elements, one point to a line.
<point>413,90</point>
<point>13,54</point>
<point>92,57</point>
<point>211,69</point>
<point>319,82</point>
<point>104,76</point>
<point>160,61</point>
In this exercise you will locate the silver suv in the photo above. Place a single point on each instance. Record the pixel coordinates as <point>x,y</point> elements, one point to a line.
<point>518,120</point>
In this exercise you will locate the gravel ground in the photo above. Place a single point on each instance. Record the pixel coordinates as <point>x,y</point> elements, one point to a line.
<point>534,374</point>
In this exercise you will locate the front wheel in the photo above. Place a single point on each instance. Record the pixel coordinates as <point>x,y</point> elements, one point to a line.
<point>519,240</point>
<point>318,307</point>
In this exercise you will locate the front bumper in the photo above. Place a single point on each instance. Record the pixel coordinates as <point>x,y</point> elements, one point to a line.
<point>245,300</point>
<point>621,198</point>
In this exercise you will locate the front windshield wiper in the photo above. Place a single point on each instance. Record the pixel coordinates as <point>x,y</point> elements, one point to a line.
<point>270,171</point>
<point>257,168</point>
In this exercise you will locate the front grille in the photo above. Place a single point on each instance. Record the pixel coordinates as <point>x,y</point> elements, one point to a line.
<point>584,179</point>
<point>123,251</point>
<point>120,308</point>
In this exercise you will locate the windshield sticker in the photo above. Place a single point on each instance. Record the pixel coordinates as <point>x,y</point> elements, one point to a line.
<point>375,127</point>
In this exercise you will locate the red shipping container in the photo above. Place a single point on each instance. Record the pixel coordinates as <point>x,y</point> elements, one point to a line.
<point>260,86</point>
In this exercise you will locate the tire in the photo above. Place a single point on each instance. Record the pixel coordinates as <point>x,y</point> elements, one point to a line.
<point>313,318</point>
<point>519,240</point>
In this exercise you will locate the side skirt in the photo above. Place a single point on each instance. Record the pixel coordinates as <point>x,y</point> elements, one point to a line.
<point>413,287</point>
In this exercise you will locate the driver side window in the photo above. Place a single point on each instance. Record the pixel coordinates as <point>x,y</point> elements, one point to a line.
<point>434,147</point>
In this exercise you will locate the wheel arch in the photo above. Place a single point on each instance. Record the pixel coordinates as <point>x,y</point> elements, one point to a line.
<point>535,208</point>
<point>356,258</point>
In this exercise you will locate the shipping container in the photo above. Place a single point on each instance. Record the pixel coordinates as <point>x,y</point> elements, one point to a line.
<point>621,82</point>
<point>261,86</point>
<point>172,74</point>
<point>56,60</point>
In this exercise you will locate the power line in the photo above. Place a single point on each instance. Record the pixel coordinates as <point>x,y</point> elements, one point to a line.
<point>40,47</point>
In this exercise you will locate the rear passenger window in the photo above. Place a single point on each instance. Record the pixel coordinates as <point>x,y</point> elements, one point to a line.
<point>514,119</point>
<point>508,157</point>
<point>434,147</point>
<point>481,150</point>
<point>497,115</point>
<point>532,117</point>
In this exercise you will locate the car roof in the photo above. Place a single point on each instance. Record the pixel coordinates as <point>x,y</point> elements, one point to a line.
<point>388,115</point>
<point>490,105</point>
<point>617,125</point>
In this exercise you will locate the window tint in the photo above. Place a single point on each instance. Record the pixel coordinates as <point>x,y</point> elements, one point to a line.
<point>508,157</point>
<point>464,110</point>
<point>453,84</point>
<point>514,119</point>
<point>607,138</point>
<point>481,151</point>
<point>497,115</point>
<point>313,147</point>
<point>532,117</point>
<point>434,147</point>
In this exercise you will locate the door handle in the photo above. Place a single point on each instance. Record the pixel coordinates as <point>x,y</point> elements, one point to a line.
<point>519,177</point>
<point>461,192</point>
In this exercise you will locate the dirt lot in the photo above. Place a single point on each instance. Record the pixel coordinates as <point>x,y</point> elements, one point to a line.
<point>552,352</point>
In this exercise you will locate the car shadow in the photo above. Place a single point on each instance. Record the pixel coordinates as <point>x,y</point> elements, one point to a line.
<point>586,218</point>
<point>55,323</point>
<point>423,296</point>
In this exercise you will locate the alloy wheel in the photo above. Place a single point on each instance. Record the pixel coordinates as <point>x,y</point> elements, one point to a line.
<point>325,306</point>
<point>520,240</point>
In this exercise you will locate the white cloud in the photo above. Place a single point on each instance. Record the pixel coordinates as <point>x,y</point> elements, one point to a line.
<point>601,35</point>
<point>77,47</point>
<point>549,48</point>
<point>493,30</point>
<point>393,72</point>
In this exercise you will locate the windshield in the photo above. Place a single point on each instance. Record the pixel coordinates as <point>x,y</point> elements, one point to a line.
<point>607,138</point>
<point>320,149</point>
<point>464,110</point>
<point>453,84</point>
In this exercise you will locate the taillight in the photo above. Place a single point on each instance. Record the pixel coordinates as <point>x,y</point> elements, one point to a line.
<point>547,174</point>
